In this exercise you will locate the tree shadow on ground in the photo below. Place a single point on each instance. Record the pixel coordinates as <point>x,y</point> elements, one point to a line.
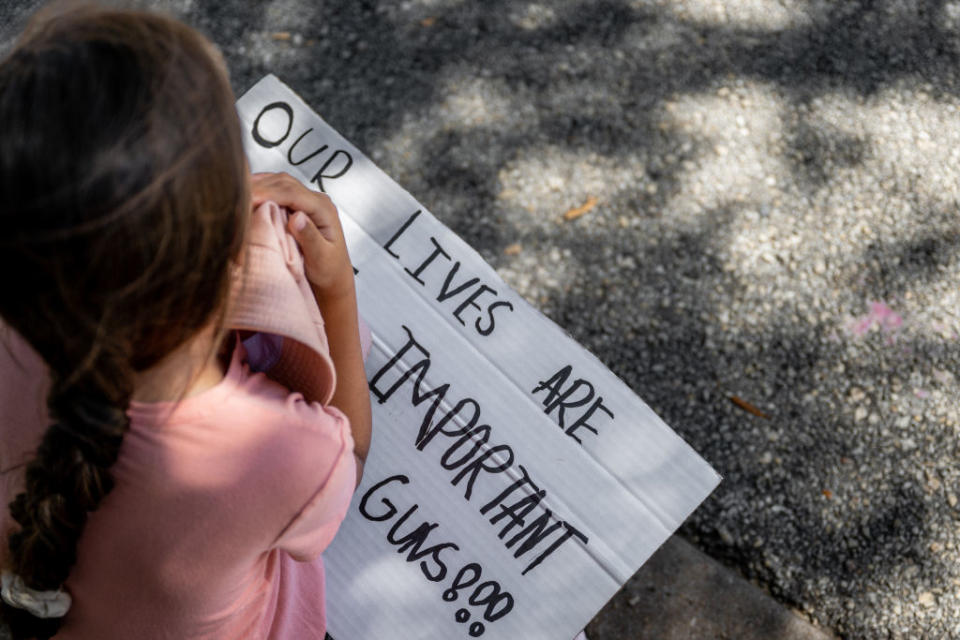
<point>594,78</point>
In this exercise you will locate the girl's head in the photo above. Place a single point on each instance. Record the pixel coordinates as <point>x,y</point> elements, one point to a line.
<point>123,196</point>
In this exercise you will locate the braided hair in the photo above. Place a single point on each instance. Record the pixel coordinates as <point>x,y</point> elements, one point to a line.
<point>124,200</point>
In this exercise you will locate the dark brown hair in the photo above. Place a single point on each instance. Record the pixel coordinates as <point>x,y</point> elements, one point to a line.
<point>123,196</point>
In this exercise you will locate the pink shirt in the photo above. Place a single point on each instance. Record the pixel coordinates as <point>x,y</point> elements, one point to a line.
<point>222,506</point>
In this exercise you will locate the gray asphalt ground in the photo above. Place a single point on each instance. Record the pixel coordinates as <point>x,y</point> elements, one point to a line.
<point>683,594</point>
<point>776,222</point>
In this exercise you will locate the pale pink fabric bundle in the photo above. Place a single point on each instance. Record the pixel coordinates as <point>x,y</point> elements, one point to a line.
<point>271,294</point>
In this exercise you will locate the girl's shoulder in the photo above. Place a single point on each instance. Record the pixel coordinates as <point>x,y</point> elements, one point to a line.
<point>247,399</point>
<point>278,449</point>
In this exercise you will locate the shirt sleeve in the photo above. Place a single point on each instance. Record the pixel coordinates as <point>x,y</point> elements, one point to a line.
<point>313,528</point>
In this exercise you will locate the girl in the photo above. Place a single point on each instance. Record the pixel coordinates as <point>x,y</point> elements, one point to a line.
<point>165,491</point>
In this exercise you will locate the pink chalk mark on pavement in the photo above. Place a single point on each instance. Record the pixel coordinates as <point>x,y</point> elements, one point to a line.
<point>881,317</point>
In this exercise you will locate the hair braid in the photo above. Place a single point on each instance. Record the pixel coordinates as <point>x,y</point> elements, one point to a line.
<point>125,201</point>
<point>67,479</point>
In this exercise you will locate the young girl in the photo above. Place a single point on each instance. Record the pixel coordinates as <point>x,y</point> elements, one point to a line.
<point>164,490</point>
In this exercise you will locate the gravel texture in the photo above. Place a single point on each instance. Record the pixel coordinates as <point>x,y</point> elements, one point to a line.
<point>776,219</point>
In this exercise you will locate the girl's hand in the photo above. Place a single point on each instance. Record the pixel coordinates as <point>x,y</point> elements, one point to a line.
<point>316,227</point>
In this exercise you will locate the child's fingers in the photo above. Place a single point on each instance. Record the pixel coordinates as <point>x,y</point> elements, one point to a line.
<point>278,186</point>
<point>324,215</point>
<point>288,192</point>
<point>326,263</point>
<point>315,226</point>
<point>312,242</point>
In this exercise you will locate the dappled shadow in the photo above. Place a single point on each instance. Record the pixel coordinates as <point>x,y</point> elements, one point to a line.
<point>474,106</point>
<point>922,259</point>
<point>819,152</point>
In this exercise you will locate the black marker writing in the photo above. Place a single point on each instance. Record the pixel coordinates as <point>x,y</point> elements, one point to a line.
<point>341,170</point>
<point>489,597</point>
<point>406,224</point>
<point>466,451</point>
<point>316,151</point>
<point>263,142</point>
<point>437,250</point>
<point>334,166</point>
<point>578,394</point>
<point>413,539</point>
<point>534,531</point>
<point>466,293</point>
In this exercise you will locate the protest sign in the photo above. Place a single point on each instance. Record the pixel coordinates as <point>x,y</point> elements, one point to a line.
<point>514,483</point>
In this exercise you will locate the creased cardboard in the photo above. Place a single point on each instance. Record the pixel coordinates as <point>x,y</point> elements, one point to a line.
<point>514,483</point>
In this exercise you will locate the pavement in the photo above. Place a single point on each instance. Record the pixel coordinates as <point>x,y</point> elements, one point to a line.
<point>771,257</point>
<point>682,593</point>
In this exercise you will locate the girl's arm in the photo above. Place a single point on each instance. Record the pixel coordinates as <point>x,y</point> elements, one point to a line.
<point>351,395</point>
<point>316,227</point>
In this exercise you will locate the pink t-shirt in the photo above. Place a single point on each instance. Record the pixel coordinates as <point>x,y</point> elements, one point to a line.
<point>222,506</point>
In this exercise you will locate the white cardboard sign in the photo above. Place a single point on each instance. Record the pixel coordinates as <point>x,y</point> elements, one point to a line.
<point>514,483</point>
